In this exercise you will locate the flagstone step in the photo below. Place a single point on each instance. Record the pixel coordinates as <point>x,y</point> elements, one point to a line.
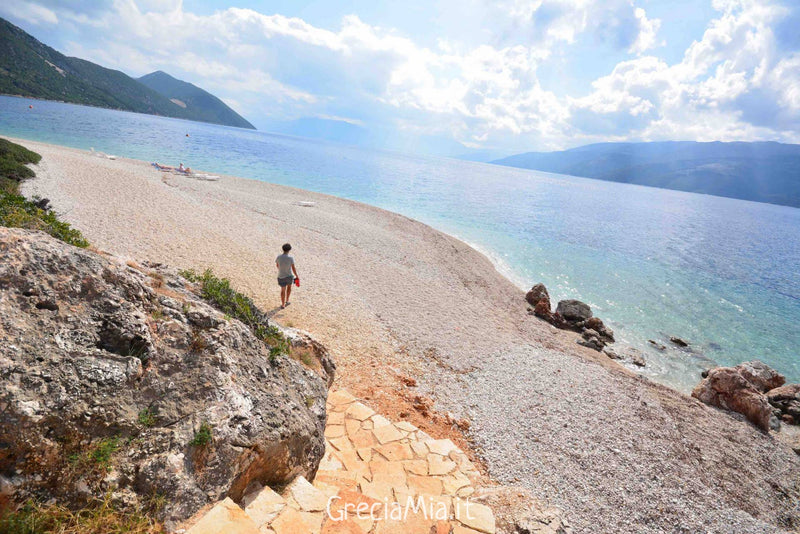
<point>370,462</point>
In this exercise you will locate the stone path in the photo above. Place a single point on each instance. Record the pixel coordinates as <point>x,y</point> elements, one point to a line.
<point>377,477</point>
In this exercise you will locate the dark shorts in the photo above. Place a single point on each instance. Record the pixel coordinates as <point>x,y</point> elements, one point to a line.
<point>283,282</point>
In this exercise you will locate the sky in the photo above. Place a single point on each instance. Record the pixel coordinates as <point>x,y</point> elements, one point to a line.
<point>501,76</point>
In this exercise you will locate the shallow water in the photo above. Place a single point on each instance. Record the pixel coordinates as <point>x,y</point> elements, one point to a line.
<point>720,273</point>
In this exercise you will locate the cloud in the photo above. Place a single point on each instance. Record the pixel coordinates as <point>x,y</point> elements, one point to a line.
<point>32,13</point>
<point>730,85</point>
<point>739,80</point>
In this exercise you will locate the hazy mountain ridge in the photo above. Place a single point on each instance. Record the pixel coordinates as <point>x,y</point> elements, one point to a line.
<point>30,68</point>
<point>759,171</point>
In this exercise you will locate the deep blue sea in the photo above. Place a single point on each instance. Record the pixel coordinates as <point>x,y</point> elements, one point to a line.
<point>723,274</point>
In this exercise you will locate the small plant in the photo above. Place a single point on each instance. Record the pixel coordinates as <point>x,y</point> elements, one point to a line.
<point>147,418</point>
<point>309,401</point>
<point>158,314</point>
<point>101,455</point>
<point>227,317</point>
<point>203,436</point>
<point>186,308</point>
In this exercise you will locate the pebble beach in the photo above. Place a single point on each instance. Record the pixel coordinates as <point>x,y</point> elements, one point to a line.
<point>395,299</point>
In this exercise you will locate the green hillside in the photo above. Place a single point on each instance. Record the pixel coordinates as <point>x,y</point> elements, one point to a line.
<point>31,68</point>
<point>206,106</point>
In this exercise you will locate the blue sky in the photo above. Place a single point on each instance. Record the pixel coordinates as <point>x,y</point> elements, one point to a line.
<point>499,75</point>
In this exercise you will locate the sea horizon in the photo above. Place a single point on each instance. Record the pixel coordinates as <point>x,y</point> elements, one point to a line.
<point>723,305</point>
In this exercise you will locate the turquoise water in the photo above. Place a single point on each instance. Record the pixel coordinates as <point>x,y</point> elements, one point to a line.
<point>721,273</point>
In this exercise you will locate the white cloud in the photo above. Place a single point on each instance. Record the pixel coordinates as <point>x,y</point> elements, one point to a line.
<point>33,13</point>
<point>648,32</point>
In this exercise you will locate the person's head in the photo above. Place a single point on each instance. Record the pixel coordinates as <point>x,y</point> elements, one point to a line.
<point>286,248</point>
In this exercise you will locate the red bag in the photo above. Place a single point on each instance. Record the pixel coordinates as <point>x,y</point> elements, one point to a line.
<point>297,282</point>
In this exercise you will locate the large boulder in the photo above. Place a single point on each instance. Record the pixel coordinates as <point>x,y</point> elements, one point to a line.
<point>573,310</point>
<point>741,389</point>
<point>119,380</point>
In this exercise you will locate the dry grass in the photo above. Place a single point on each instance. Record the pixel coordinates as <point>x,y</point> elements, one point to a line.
<point>100,517</point>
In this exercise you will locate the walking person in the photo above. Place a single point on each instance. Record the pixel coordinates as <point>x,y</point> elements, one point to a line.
<point>285,265</point>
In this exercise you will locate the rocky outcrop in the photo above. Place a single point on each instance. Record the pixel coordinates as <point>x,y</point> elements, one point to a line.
<point>570,315</point>
<point>742,389</point>
<point>120,380</point>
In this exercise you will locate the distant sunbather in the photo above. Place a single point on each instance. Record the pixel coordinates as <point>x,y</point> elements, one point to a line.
<point>162,167</point>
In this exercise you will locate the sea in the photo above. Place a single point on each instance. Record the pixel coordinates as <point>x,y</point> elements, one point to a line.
<point>720,273</point>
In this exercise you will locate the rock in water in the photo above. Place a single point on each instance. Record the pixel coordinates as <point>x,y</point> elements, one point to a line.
<point>741,389</point>
<point>573,310</point>
<point>679,342</point>
<point>538,294</point>
<point>117,382</point>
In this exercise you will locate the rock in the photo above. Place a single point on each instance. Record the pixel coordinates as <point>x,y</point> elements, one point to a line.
<point>573,310</point>
<point>657,345</point>
<point>741,389</point>
<point>187,403</point>
<point>591,339</point>
<point>786,402</point>
<point>543,309</point>
<point>537,294</point>
<point>679,342</point>
<point>596,324</point>
<point>762,376</point>
<point>611,353</point>
<point>516,511</point>
<point>636,357</point>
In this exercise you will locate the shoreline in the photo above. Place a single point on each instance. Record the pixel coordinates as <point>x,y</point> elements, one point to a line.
<point>429,306</point>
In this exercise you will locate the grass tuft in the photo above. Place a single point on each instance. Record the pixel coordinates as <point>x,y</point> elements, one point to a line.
<point>100,517</point>
<point>147,418</point>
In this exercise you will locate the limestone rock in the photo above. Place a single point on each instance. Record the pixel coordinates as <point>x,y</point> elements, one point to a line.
<point>103,366</point>
<point>741,389</point>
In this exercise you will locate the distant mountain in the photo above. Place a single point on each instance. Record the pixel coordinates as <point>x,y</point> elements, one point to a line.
<point>204,105</point>
<point>762,171</point>
<point>31,68</point>
<point>338,131</point>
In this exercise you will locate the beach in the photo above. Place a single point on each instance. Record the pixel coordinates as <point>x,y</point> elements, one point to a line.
<point>394,299</point>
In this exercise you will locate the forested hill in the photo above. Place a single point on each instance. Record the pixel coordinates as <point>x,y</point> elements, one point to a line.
<point>206,106</point>
<point>31,68</point>
<point>759,171</point>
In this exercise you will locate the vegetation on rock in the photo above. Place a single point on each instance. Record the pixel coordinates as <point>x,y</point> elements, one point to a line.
<point>221,295</point>
<point>18,212</point>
